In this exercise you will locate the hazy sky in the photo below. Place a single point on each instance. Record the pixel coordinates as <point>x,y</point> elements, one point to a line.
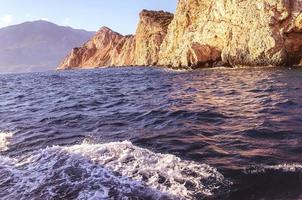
<point>120,15</point>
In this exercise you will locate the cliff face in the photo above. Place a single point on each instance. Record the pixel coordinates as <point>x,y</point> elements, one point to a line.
<point>249,32</point>
<point>204,33</point>
<point>108,48</point>
<point>151,31</point>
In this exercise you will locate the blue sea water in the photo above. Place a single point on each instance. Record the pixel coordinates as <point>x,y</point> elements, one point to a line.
<point>152,133</point>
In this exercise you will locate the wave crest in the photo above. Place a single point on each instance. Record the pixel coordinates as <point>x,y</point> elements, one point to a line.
<point>117,170</point>
<point>4,140</point>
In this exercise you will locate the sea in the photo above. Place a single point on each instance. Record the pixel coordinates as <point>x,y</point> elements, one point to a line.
<point>137,133</point>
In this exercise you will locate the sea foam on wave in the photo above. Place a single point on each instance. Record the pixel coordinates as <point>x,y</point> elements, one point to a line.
<point>281,168</point>
<point>4,140</point>
<point>116,170</point>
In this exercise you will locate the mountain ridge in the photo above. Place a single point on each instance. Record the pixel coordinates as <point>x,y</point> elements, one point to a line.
<point>37,45</point>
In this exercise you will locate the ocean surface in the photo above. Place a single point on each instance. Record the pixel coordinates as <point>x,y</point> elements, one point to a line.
<point>151,133</point>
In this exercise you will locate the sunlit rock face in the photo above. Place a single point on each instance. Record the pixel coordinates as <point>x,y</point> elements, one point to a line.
<point>150,34</point>
<point>234,32</point>
<point>108,48</point>
<point>203,33</point>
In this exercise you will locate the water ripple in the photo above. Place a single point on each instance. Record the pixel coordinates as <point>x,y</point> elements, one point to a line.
<point>229,119</point>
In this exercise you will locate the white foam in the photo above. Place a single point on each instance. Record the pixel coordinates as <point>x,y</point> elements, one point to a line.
<point>163,172</point>
<point>287,167</point>
<point>55,174</point>
<point>281,167</point>
<point>117,170</point>
<point>176,70</point>
<point>4,140</point>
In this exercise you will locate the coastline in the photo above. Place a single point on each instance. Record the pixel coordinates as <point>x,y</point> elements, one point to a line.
<point>185,68</point>
<point>201,36</point>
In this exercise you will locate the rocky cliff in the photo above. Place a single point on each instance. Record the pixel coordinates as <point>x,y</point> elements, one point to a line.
<point>234,32</point>
<point>108,48</point>
<point>151,31</point>
<point>205,33</point>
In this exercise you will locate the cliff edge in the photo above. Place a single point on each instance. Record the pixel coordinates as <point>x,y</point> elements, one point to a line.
<point>249,32</point>
<point>203,33</point>
<point>108,48</point>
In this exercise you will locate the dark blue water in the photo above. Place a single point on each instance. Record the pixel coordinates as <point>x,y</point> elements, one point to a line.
<point>247,124</point>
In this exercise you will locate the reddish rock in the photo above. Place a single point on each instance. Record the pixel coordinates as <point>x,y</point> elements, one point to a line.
<point>202,55</point>
<point>108,48</point>
<point>203,33</point>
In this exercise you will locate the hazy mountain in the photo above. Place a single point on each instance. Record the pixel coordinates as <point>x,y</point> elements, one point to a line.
<point>37,46</point>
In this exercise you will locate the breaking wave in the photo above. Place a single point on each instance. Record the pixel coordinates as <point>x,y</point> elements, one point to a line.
<point>4,140</point>
<point>116,170</point>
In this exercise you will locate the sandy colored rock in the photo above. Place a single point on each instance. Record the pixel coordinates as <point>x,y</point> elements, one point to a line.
<point>108,48</point>
<point>150,34</point>
<point>298,23</point>
<point>250,32</point>
<point>203,33</point>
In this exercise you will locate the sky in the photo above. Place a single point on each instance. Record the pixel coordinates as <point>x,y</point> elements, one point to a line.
<point>119,15</point>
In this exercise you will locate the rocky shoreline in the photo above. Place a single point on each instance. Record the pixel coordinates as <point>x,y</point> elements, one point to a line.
<point>202,34</point>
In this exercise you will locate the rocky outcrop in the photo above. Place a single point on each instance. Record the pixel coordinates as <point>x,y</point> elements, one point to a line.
<point>248,32</point>
<point>204,33</point>
<point>108,48</point>
<point>151,31</point>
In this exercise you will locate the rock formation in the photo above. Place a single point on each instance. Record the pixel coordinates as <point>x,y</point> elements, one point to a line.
<point>108,48</point>
<point>248,32</point>
<point>151,31</point>
<point>205,33</point>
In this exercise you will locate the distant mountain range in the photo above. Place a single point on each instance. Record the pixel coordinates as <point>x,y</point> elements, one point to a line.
<point>37,46</point>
